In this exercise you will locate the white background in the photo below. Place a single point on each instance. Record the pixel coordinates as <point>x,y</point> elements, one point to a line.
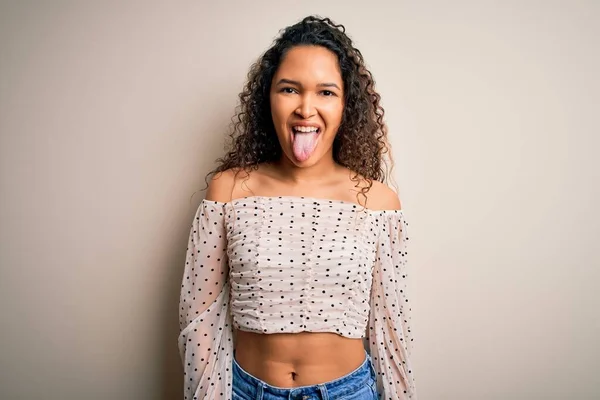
<point>111,113</point>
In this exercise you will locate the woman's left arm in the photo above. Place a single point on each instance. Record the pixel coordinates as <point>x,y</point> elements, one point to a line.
<point>389,332</point>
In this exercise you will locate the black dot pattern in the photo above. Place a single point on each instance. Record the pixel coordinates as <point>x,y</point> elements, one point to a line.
<point>292,264</point>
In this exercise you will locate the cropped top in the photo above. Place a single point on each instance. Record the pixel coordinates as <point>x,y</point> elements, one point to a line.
<point>290,264</point>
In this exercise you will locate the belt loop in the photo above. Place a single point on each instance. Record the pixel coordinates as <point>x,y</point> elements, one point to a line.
<point>259,391</point>
<point>323,390</point>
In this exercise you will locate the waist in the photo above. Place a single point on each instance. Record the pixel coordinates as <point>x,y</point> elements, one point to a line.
<point>297,359</point>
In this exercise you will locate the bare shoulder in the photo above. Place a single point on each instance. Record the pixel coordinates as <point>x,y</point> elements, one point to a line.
<point>382,197</point>
<point>221,185</point>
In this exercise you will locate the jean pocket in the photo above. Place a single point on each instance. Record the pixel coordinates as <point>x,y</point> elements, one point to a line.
<point>236,396</point>
<point>364,393</point>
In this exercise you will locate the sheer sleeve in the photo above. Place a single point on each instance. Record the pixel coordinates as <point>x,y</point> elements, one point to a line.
<point>205,339</point>
<point>389,334</point>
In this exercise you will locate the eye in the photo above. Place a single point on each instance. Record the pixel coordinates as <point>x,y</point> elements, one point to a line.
<point>328,93</point>
<point>288,90</point>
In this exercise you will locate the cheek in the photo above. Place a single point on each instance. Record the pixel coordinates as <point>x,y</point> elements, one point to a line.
<point>333,113</point>
<point>274,107</point>
<point>280,109</point>
<point>279,116</point>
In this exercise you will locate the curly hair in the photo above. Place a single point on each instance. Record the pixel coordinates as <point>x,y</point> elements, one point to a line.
<point>361,140</point>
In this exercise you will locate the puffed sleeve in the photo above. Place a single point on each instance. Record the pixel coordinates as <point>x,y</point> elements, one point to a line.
<point>389,334</point>
<point>205,339</point>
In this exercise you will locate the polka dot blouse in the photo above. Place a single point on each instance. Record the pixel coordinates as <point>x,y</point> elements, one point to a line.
<point>292,264</point>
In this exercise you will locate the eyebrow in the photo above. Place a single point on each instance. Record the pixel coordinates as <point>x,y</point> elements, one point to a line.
<point>291,82</point>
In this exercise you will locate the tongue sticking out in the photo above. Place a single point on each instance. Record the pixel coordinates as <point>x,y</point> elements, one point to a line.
<point>304,145</point>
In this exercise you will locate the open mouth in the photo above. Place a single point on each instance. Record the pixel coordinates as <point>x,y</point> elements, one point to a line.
<point>304,141</point>
<point>295,130</point>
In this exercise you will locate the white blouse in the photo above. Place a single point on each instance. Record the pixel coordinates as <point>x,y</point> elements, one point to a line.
<point>289,264</point>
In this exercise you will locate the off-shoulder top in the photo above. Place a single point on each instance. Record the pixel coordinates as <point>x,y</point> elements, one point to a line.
<point>290,264</point>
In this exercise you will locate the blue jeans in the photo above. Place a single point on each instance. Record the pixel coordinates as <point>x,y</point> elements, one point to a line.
<point>359,384</point>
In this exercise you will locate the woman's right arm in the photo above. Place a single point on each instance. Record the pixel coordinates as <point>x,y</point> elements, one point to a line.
<point>205,340</point>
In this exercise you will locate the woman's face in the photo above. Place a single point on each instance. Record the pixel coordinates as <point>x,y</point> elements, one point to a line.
<point>307,102</point>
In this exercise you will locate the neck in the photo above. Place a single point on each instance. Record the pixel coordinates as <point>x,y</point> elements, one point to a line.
<point>322,171</point>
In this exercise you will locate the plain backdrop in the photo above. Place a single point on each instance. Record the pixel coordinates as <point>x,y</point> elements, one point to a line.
<point>111,114</point>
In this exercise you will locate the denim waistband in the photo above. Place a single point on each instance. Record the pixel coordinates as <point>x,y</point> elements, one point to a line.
<point>254,388</point>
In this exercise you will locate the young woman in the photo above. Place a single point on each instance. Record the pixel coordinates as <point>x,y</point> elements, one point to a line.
<point>296,266</point>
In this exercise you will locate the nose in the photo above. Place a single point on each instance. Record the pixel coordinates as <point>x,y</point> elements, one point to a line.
<point>305,108</point>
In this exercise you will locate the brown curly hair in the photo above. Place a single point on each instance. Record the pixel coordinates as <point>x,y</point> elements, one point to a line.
<point>361,140</point>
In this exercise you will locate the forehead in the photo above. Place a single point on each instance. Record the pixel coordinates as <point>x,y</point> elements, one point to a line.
<point>310,64</point>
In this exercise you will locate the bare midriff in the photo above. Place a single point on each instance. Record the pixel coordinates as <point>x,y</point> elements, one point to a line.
<point>289,360</point>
